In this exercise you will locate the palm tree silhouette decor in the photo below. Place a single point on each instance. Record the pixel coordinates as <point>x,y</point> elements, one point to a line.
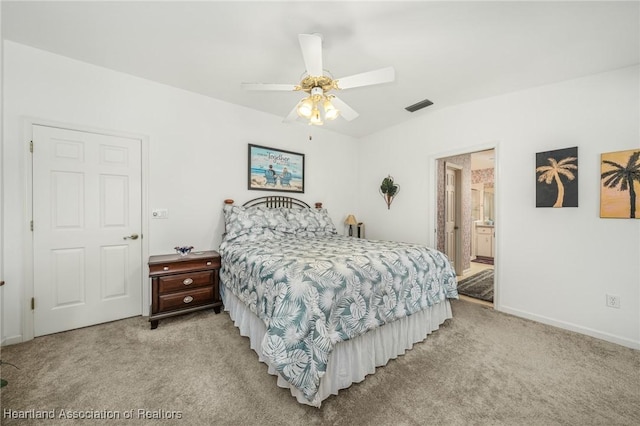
<point>553,173</point>
<point>623,177</point>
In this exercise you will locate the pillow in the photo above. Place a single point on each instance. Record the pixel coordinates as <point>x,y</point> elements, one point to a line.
<point>256,234</point>
<point>253,220</point>
<point>303,233</point>
<point>274,217</point>
<point>310,220</point>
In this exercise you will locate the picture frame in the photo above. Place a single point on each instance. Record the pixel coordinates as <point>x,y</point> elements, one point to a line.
<point>273,169</point>
<point>620,184</point>
<point>557,178</point>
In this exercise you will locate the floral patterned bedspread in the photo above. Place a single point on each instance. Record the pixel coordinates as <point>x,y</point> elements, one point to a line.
<point>313,292</point>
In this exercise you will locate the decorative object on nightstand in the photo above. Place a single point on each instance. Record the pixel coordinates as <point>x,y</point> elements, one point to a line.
<point>183,250</point>
<point>182,284</point>
<point>351,220</point>
<point>361,230</point>
<point>388,190</point>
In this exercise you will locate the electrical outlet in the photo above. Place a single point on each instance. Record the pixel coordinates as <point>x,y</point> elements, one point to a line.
<point>613,301</point>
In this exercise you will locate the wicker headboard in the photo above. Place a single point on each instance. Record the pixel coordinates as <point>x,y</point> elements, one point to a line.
<point>275,202</point>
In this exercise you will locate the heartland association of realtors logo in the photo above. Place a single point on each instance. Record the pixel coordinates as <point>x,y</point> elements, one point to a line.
<point>132,414</point>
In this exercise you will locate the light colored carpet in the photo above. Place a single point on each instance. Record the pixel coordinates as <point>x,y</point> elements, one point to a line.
<point>482,368</point>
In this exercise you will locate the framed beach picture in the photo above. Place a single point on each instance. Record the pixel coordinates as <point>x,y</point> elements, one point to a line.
<point>557,178</point>
<point>620,184</point>
<point>272,169</point>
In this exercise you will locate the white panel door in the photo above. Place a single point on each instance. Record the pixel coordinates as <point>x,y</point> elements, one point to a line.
<point>86,209</point>
<point>450,215</point>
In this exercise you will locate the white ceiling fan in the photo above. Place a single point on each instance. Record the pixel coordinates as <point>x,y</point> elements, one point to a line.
<point>319,105</point>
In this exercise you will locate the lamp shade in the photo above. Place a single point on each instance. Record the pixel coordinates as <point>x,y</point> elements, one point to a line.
<point>330,112</point>
<point>315,119</point>
<point>305,108</point>
<point>351,220</point>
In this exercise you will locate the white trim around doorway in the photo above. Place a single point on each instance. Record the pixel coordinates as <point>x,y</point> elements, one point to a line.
<point>432,185</point>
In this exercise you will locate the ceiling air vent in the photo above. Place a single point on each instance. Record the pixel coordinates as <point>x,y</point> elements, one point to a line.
<point>419,105</point>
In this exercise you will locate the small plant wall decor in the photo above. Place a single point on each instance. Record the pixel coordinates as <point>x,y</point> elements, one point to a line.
<point>389,190</point>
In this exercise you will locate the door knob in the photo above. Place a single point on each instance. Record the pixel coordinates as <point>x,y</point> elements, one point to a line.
<point>131,237</point>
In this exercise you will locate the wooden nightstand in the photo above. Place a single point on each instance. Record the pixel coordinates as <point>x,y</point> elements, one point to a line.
<point>183,284</point>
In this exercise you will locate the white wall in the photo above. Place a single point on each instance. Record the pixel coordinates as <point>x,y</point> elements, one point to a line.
<point>1,189</point>
<point>553,265</point>
<point>197,153</point>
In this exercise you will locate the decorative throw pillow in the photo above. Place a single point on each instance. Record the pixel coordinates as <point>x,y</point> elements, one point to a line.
<point>311,220</point>
<point>253,220</point>
<point>274,217</point>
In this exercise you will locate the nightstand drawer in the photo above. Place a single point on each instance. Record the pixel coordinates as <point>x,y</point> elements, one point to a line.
<point>183,266</point>
<point>179,282</point>
<point>185,299</point>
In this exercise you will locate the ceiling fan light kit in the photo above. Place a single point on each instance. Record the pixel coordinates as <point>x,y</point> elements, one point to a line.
<point>320,106</point>
<point>308,107</point>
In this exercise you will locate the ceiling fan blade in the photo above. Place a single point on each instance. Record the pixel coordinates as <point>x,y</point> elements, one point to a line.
<point>269,87</point>
<point>311,45</point>
<point>346,111</point>
<point>293,115</point>
<point>384,75</point>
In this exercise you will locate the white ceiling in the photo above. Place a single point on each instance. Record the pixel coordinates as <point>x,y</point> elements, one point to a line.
<point>447,52</point>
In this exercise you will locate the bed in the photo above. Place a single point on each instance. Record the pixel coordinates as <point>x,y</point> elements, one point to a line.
<point>324,310</point>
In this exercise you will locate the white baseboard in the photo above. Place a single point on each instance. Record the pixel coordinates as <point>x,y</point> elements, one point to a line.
<point>623,341</point>
<point>12,340</point>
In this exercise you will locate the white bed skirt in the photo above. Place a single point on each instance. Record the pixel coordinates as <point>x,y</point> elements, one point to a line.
<point>352,360</point>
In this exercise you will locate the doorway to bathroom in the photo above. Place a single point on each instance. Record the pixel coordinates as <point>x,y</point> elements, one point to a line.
<point>466,220</point>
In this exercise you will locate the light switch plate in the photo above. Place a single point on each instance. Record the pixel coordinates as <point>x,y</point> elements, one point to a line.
<point>160,214</point>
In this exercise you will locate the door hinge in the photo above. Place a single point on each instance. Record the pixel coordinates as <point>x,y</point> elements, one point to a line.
<point>31,146</point>
<point>33,303</point>
<point>31,225</point>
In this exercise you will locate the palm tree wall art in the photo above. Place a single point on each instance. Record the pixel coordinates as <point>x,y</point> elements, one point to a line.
<point>557,178</point>
<point>620,184</point>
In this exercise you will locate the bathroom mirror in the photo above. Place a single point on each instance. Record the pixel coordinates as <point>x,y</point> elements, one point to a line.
<point>476,204</point>
<point>488,212</point>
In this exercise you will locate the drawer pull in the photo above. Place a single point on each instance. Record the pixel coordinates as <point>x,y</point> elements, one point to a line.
<point>208,263</point>
<point>166,268</point>
<point>187,281</point>
<point>188,299</point>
